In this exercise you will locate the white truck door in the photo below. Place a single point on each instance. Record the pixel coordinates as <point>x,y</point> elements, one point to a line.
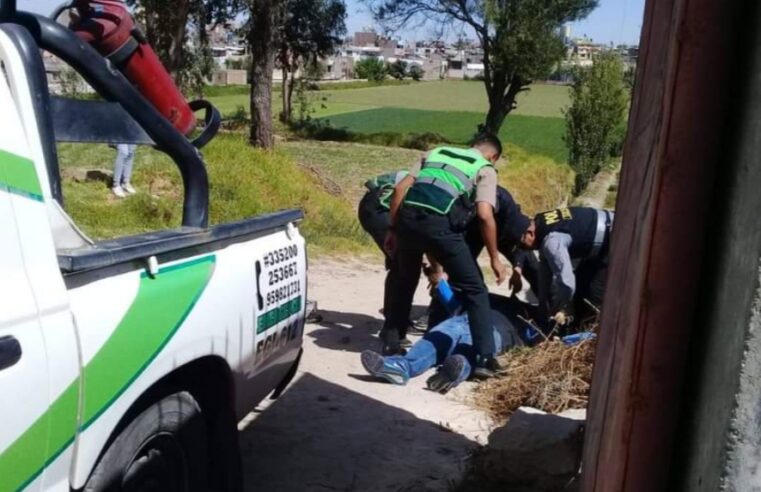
<point>23,364</point>
<point>39,356</point>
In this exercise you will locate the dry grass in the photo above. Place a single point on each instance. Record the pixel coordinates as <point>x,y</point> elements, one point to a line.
<point>551,377</point>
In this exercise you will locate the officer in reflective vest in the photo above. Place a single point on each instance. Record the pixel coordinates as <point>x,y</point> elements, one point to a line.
<point>430,210</point>
<point>564,237</point>
<point>505,214</point>
<point>375,218</point>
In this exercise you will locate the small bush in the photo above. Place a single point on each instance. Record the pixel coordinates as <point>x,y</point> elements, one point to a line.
<point>371,69</point>
<point>416,73</point>
<point>237,121</point>
<point>397,70</point>
<point>322,130</point>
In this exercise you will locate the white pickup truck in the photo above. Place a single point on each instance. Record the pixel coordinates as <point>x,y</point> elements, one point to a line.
<point>126,364</point>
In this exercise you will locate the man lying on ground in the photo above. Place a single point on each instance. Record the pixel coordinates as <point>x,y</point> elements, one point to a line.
<point>450,346</point>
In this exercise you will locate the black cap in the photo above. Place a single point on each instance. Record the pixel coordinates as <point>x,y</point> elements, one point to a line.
<point>517,224</point>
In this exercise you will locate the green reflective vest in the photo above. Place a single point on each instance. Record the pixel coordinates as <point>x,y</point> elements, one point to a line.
<point>446,175</point>
<point>386,183</point>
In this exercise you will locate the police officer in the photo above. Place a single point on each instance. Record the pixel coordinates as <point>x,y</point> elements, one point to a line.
<point>374,206</point>
<point>565,236</point>
<point>505,215</point>
<point>430,211</point>
<point>375,218</point>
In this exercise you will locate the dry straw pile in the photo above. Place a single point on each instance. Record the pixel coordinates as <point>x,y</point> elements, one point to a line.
<point>551,377</point>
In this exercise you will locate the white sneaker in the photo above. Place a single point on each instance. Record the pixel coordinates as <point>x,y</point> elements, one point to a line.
<point>118,192</point>
<point>129,189</point>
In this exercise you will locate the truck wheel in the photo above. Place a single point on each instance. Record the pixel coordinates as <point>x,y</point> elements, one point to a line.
<point>165,448</point>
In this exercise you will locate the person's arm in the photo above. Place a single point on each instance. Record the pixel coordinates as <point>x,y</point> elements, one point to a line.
<point>555,252</point>
<point>397,197</point>
<point>486,201</point>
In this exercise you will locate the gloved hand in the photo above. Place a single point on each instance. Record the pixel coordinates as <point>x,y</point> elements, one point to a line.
<point>561,318</point>
<point>390,243</point>
<point>516,280</point>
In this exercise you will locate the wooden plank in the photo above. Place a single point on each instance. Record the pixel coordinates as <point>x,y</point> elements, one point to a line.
<point>657,254</point>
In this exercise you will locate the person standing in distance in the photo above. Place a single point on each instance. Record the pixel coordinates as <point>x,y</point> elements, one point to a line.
<point>430,212</point>
<point>125,159</point>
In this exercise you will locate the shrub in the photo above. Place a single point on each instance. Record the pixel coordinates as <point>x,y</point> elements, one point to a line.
<point>416,72</point>
<point>236,121</point>
<point>397,70</point>
<point>370,69</point>
<point>595,119</point>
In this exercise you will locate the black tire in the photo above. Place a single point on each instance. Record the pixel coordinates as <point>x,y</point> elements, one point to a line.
<point>164,449</point>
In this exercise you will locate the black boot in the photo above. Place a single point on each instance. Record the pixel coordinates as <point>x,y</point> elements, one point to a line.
<point>487,368</point>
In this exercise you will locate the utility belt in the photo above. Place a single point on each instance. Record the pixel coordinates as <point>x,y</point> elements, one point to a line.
<point>602,234</point>
<point>461,214</point>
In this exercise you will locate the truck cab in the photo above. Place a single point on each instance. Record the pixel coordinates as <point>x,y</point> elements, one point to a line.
<point>126,364</point>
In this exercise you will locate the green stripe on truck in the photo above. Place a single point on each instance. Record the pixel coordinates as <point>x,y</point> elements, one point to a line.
<point>161,306</point>
<point>18,176</point>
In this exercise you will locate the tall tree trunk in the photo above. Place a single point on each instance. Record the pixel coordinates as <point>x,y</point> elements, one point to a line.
<point>494,119</point>
<point>289,90</point>
<point>166,30</point>
<point>261,42</point>
<point>285,114</point>
<point>501,102</point>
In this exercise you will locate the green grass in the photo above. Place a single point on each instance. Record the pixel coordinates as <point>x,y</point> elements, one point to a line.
<point>540,100</point>
<point>243,183</point>
<point>538,183</point>
<point>348,165</point>
<point>537,135</point>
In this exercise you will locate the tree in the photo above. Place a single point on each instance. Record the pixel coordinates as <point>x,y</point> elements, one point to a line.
<point>261,29</point>
<point>416,73</point>
<point>596,119</point>
<point>371,69</point>
<point>397,70</point>
<point>519,38</point>
<point>309,30</point>
<point>169,25</point>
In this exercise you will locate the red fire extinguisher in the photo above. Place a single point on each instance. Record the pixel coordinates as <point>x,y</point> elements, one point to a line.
<point>108,26</point>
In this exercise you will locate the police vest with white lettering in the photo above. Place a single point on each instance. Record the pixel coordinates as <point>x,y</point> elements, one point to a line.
<point>578,222</point>
<point>447,174</point>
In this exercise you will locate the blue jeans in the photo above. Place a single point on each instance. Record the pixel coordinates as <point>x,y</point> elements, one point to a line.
<point>447,338</point>
<point>125,158</point>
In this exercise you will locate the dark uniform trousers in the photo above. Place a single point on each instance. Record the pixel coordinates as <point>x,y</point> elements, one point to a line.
<point>375,220</point>
<point>420,231</point>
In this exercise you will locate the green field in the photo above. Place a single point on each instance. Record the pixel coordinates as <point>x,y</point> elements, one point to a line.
<point>537,135</point>
<point>450,109</point>
<point>540,100</point>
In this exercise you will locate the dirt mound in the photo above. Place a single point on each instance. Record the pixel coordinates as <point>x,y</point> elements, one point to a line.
<point>552,377</point>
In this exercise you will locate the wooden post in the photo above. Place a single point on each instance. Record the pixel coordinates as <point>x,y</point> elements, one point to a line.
<point>658,255</point>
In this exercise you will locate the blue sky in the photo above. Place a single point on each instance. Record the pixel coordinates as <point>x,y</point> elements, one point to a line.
<point>617,21</point>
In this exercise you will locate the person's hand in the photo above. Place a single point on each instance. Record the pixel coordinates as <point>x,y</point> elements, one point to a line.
<point>499,269</point>
<point>434,277</point>
<point>516,280</point>
<point>390,243</point>
<point>561,318</point>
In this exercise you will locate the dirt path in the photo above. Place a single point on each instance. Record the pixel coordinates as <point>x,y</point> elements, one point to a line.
<point>595,194</point>
<point>335,430</point>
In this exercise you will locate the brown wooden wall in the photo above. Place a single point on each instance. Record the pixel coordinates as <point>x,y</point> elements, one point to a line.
<point>658,252</point>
